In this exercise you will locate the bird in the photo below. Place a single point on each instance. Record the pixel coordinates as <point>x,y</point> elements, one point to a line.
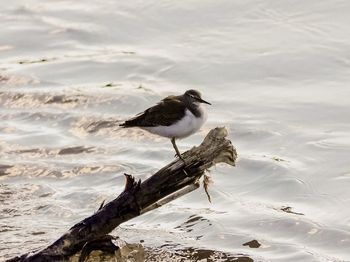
<point>174,117</point>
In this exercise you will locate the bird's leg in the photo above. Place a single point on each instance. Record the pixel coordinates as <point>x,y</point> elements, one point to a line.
<point>176,149</point>
<point>178,153</point>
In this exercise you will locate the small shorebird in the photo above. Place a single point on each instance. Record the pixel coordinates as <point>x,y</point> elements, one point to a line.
<point>173,117</point>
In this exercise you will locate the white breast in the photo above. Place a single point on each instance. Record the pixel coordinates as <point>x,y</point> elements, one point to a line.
<point>187,126</point>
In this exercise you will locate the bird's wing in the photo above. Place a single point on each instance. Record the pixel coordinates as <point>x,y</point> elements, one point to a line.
<point>165,113</point>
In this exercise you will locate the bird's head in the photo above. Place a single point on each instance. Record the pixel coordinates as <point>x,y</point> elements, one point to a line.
<point>194,97</point>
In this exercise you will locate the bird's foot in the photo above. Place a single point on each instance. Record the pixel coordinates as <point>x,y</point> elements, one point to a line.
<point>180,157</point>
<point>183,160</point>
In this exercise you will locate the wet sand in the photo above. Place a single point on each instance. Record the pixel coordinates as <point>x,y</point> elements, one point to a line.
<point>277,74</point>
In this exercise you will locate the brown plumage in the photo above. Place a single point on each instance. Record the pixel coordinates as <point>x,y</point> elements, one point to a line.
<point>171,109</point>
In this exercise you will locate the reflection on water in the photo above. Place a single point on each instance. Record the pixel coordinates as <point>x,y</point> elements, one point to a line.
<point>277,74</point>
<point>138,253</point>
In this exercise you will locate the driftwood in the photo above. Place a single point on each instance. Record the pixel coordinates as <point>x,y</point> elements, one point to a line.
<point>172,181</point>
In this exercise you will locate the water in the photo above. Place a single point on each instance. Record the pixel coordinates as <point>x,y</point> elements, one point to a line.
<point>276,72</point>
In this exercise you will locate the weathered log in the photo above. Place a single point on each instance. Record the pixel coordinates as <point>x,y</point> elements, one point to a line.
<point>174,180</point>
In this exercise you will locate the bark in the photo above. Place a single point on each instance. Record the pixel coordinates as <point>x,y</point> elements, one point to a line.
<point>172,181</point>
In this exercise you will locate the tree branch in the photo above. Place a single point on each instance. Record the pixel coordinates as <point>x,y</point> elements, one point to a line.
<point>172,181</point>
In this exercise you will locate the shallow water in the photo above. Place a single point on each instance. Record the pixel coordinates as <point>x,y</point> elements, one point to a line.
<point>276,72</point>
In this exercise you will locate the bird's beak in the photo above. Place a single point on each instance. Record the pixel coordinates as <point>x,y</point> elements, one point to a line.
<point>203,101</point>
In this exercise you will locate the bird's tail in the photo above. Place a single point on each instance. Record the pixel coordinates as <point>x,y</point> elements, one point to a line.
<point>128,123</point>
<point>133,122</point>
<point>123,124</point>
